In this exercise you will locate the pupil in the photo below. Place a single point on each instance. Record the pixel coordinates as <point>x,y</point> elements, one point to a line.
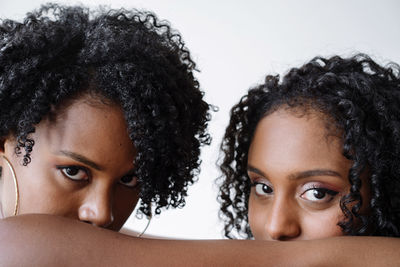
<point>72,171</point>
<point>126,179</point>
<point>267,189</point>
<point>319,194</point>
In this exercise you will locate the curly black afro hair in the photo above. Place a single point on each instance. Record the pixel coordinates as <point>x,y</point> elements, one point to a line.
<point>129,57</point>
<point>362,99</point>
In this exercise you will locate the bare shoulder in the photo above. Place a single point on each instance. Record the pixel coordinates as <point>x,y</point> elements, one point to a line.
<point>46,240</point>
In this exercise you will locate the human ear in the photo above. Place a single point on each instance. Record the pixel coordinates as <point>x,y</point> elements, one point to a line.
<point>4,145</point>
<point>7,145</point>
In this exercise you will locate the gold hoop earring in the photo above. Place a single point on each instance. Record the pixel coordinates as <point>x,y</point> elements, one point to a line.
<point>16,208</point>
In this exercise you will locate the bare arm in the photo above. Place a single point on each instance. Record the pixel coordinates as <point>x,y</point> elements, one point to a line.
<point>42,240</point>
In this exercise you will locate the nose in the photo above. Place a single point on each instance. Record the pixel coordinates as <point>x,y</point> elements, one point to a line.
<point>282,221</point>
<point>96,208</point>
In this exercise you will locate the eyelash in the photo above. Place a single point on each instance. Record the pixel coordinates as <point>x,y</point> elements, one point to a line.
<point>63,170</point>
<point>254,184</point>
<point>134,179</point>
<point>267,191</point>
<point>323,190</point>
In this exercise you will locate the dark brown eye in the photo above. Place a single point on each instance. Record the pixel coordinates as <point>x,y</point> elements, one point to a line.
<point>262,189</point>
<point>129,180</point>
<point>319,194</point>
<point>74,173</point>
<point>71,171</point>
<point>266,189</point>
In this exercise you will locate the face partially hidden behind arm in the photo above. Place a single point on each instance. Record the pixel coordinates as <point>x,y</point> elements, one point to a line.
<point>36,240</point>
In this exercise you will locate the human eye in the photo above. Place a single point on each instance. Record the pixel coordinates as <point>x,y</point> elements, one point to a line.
<point>262,189</point>
<point>129,180</point>
<point>319,194</point>
<point>74,173</point>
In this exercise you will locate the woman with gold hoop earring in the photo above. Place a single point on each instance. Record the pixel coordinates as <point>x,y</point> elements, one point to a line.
<point>93,121</point>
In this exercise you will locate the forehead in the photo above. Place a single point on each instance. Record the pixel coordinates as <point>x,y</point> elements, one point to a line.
<point>96,129</point>
<point>294,140</point>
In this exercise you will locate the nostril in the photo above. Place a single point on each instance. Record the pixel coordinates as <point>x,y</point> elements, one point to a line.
<point>284,238</point>
<point>109,222</point>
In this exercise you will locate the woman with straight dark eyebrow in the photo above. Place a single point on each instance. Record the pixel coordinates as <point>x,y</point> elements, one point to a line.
<point>92,103</point>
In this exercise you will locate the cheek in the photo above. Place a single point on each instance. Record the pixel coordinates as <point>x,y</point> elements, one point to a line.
<point>41,192</point>
<point>322,224</point>
<point>257,217</point>
<point>125,200</point>
<point>313,225</point>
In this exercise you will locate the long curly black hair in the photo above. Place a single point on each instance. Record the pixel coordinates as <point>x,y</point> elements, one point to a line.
<point>127,56</point>
<point>362,99</point>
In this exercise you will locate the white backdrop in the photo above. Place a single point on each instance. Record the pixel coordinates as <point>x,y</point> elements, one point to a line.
<point>236,43</point>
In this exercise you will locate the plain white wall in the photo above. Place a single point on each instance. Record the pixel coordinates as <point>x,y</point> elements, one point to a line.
<point>236,43</point>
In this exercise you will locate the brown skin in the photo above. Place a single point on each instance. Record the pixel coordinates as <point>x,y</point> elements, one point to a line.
<point>44,240</point>
<point>36,240</point>
<point>81,168</point>
<point>298,174</point>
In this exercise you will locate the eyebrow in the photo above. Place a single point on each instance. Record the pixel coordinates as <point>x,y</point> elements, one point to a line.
<point>316,172</point>
<point>301,175</point>
<point>81,159</point>
<point>255,170</point>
